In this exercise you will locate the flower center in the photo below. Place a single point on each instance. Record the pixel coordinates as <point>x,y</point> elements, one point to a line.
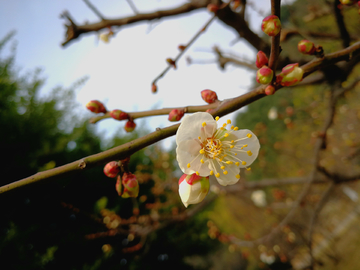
<point>212,147</point>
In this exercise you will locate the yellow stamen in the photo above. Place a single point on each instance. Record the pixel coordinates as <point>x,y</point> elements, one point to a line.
<point>237,176</point>
<point>202,151</point>
<point>211,172</point>
<point>237,163</point>
<point>203,124</point>
<point>224,125</point>
<point>229,162</point>
<point>236,128</point>
<point>232,146</point>
<point>199,138</point>
<point>245,145</point>
<point>232,127</point>
<point>217,118</point>
<point>222,128</point>
<point>217,175</point>
<point>188,165</point>
<point>232,141</point>
<point>235,154</point>
<point>225,172</point>
<point>222,167</point>
<point>202,161</point>
<point>226,134</point>
<point>249,135</point>
<point>243,163</point>
<point>249,153</point>
<point>249,169</point>
<point>197,173</point>
<point>228,121</point>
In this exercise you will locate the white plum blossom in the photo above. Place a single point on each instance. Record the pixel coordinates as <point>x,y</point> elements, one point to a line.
<point>193,188</point>
<point>205,149</point>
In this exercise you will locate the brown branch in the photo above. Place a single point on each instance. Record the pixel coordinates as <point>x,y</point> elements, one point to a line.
<point>78,30</point>
<point>275,41</point>
<point>223,60</point>
<point>125,150</point>
<point>288,33</point>
<point>341,24</point>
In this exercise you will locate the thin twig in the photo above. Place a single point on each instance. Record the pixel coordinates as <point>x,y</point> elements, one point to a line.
<point>94,9</point>
<point>132,6</point>
<point>341,24</point>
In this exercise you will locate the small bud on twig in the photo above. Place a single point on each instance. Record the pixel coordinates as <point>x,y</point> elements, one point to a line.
<point>264,75</point>
<point>112,169</point>
<point>209,96</point>
<point>271,25</point>
<point>96,106</point>
<point>119,115</point>
<point>176,115</point>
<point>129,126</point>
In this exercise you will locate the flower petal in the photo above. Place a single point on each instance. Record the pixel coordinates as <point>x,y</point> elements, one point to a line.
<point>252,143</point>
<point>229,178</point>
<point>191,126</point>
<point>188,152</point>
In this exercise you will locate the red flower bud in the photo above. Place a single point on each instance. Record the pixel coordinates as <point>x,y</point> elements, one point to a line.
<point>171,62</point>
<point>129,126</point>
<point>112,169</point>
<point>176,115</point>
<point>96,106</point>
<point>209,96</point>
<point>153,88</point>
<point>264,75</point>
<point>181,47</point>
<point>269,90</point>
<point>131,185</point>
<point>119,115</point>
<point>306,47</point>
<point>290,75</point>
<point>261,59</point>
<point>212,8</point>
<point>271,25</point>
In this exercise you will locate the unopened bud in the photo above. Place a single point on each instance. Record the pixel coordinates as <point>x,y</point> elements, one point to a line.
<point>347,2</point>
<point>261,59</point>
<point>176,115</point>
<point>129,126</point>
<point>269,90</point>
<point>290,75</point>
<point>131,185</point>
<point>271,25</point>
<point>306,47</point>
<point>209,96</point>
<point>96,106</point>
<point>153,88</point>
<point>181,47</point>
<point>171,62</point>
<point>193,188</point>
<point>118,186</point>
<point>119,115</point>
<point>212,8</point>
<point>112,169</point>
<point>264,75</point>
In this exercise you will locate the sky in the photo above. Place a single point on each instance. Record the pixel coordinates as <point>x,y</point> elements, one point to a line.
<point>120,72</point>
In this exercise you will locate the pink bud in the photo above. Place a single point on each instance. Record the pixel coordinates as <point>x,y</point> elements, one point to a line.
<point>271,25</point>
<point>181,47</point>
<point>264,75</point>
<point>112,169</point>
<point>176,115</point>
<point>153,88</point>
<point>119,115</point>
<point>131,185</point>
<point>261,59</point>
<point>306,47</point>
<point>96,106</point>
<point>290,75</point>
<point>193,188</point>
<point>269,90</point>
<point>212,8</point>
<point>129,126</point>
<point>209,96</point>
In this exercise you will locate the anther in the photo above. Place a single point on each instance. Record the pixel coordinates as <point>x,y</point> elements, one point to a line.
<point>224,125</point>
<point>232,141</point>
<point>226,134</point>
<point>197,173</point>
<point>228,121</point>
<point>217,175</point>
<point>217,118</point>
<point>243,163</point>
<point>202,161</point>
<point>202,151</point>
<point>211,172</point>
<point>222,167</point>
<point>236,128</point>
<point>249,153</point>
<point>249,135</point>
<point>203,124</point>
<point>237,163</point>
<point>229,162</point>
<point>199,138</point>
<point>188,165</point>
<point>232,146</point>
<point>249,169</point>
<point>225,172</point>
<point>237,176</point>
<point>245,145</point>
<point>232,127</point>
